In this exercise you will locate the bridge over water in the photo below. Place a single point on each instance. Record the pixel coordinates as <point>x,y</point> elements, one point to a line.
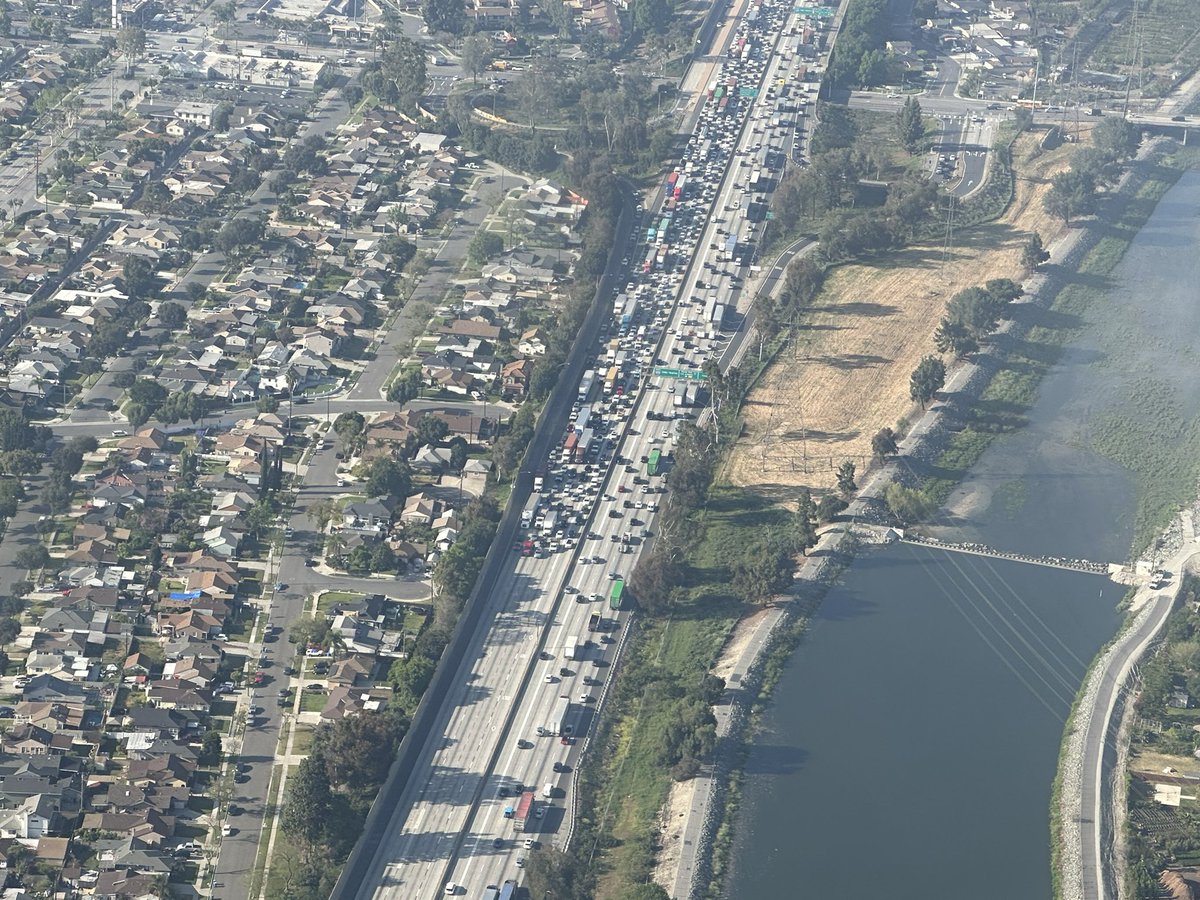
<point>1050,562</point>
<point>885,535</point>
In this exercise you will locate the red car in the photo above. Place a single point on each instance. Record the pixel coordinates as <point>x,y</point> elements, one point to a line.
<point>259,677</point>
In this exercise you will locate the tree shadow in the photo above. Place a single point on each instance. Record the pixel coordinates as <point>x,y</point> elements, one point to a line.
<point>775,759</point>
<point>850,361</point>
<point>869,310</point>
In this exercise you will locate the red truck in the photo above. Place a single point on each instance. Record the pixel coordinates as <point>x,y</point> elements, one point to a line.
<point>524,810</point>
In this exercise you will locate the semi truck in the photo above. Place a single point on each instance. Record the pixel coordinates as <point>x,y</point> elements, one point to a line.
<point>524,810</point>
<point>586,383</point>
<point>560,719</point>
<point>617,594</point>
<point>653,461</point>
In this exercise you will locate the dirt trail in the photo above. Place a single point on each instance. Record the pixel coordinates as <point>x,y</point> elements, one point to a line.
<point>846,372</point>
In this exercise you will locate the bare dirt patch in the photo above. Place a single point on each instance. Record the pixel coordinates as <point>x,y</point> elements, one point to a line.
<point>673,819</point>
<point>736,645</point>
<point>845,373</point>
<point>1159,763</point>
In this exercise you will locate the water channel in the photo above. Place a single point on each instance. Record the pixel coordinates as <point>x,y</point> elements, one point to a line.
<point>911,744</point>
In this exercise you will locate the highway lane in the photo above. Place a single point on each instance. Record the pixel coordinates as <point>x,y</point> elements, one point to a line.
<point>476,754</point>
<point>491,851</point>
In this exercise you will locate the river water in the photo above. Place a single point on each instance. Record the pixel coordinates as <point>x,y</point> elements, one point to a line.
<point>911,743</point>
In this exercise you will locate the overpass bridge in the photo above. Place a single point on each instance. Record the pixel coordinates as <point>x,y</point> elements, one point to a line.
<point>1184,124</point>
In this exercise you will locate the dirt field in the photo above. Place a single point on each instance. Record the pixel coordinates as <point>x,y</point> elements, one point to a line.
<point>1158,763</point>
<point>846,373</point>
<point>672,821</point>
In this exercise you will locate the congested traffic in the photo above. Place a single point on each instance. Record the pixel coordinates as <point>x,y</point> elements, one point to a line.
<point>502,781</point>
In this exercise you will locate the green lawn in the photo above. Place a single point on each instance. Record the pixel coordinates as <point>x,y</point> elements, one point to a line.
<point>676,652</point>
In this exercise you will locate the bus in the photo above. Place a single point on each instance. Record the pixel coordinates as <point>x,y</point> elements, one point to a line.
<point>508,890</point>
<point>615,596</point>
<point>652,461</point>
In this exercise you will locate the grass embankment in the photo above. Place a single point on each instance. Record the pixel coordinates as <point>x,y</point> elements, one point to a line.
<point>667,662</point>
<point>1130,433</point>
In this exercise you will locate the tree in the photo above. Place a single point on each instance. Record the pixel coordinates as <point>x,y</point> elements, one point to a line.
<point>33,557</point>
<point>476,55</point>
<point>845,480</point>
<point>761,571</point>
<point>410,677</point>
<point>321,512</point>
<point>240,233</point>
<point>650,16</point>
<point>910,126</point>
<point>1034,254</point>
<point>927,379</point>
<point>884,443</point>
<point>484,246</point>
<point>908,505</point>
<point>132,43</point>
<point>1116,137</point>
<point>309,630</point>
<point>448,16</point>
<point>459,453</point>
<point>802,281</point>
<point>388,478</point>
<point>210,748</point>
<point>138,275</point>
<point>349,426</point>
<point>309,798</point>
<point>953,337</point>
<point>399,78</point>
<point>358,750</point>
<point>1071,194</point>
<point>430,430</point>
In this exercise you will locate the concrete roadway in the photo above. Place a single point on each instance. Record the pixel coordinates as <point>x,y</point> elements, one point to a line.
<point>456,818</point>
<point>1099,752</point>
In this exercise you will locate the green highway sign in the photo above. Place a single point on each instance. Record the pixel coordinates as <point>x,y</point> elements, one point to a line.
<point>817,12</point>
<point>747,92</point>
<point>690,374</point>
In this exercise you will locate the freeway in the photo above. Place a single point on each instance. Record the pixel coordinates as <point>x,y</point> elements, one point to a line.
<point>448,831</point>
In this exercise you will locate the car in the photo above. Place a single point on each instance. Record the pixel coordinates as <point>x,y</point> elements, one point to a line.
<point>450,889</point>
<point>521,859</point>
<point>585,698</point>
<point>529,843</point>
<point>523,744</point>
<point>541,811</point>
<point>310,562</point>
<point>548,679</point>
<point>280,586</point>
<point>498,843</point>
<point>226,830</point>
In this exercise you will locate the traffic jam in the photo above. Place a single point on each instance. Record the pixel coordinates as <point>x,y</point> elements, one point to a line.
<point>664,242</point>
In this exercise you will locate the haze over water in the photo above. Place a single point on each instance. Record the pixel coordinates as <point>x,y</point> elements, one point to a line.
<point>912,741</point>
